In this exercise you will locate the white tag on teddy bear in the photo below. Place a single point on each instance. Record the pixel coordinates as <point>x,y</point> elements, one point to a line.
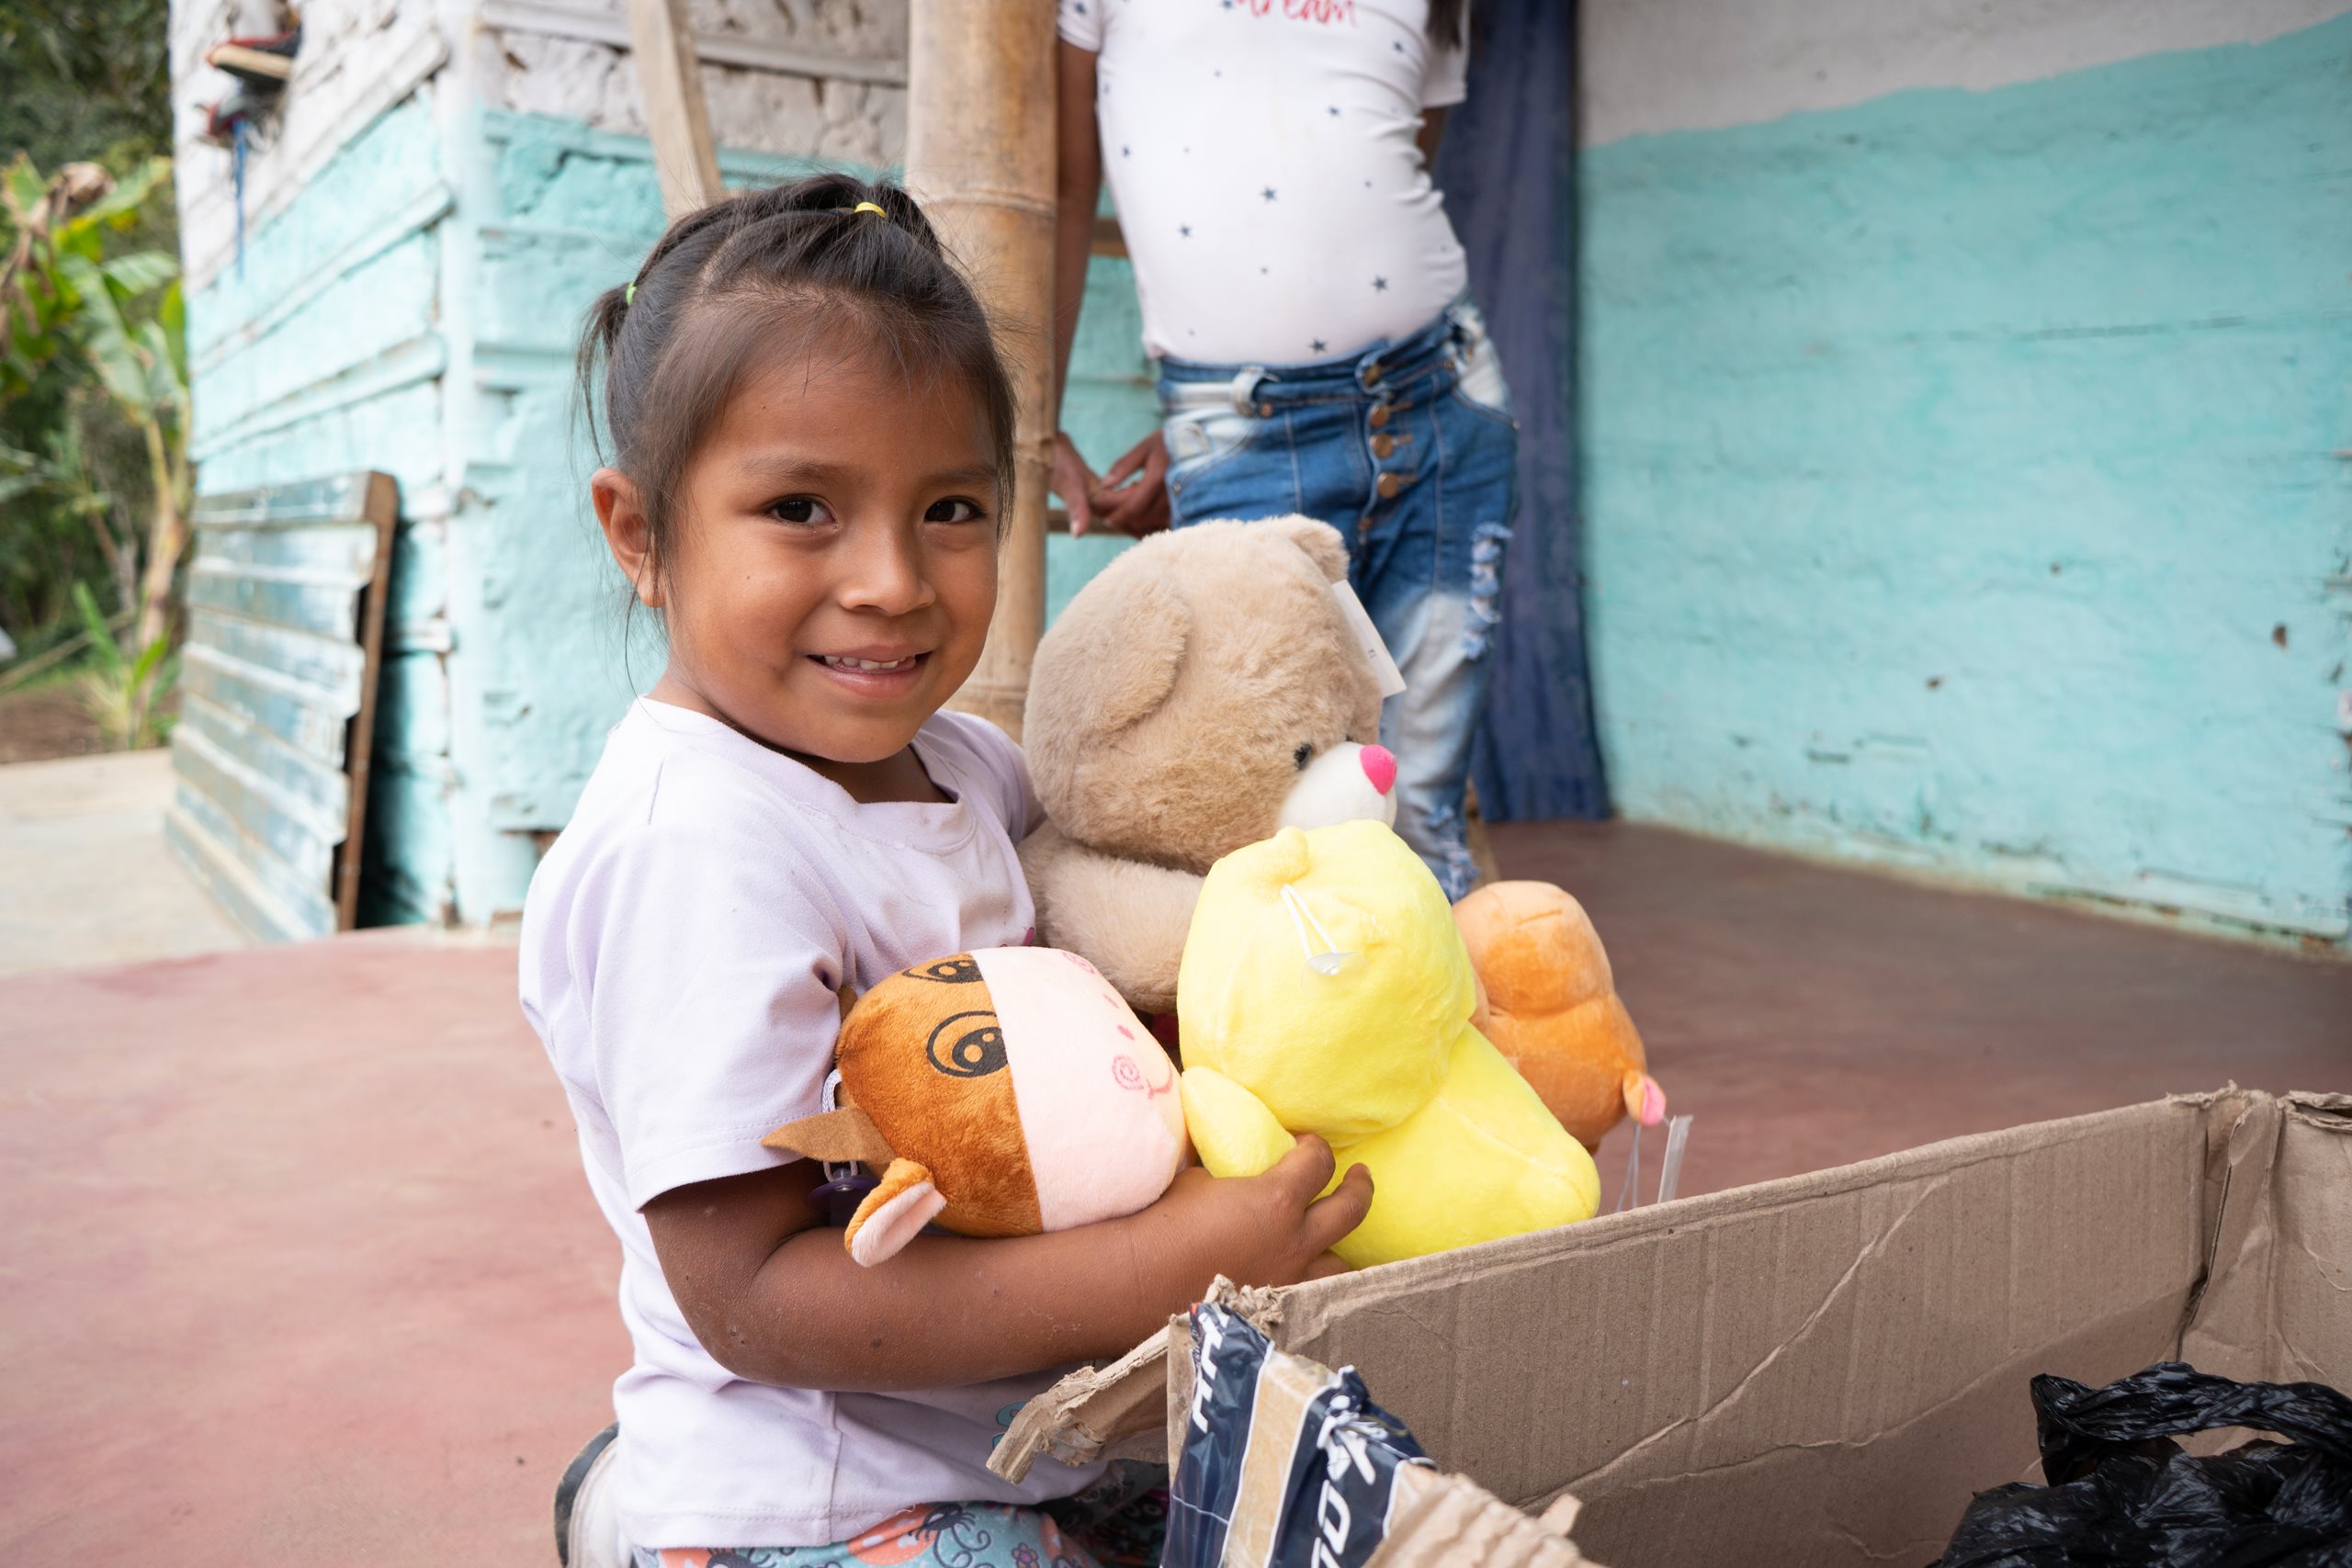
<point>1384,668</point>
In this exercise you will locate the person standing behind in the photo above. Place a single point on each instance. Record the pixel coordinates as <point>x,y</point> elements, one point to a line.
<point>1307,300</point>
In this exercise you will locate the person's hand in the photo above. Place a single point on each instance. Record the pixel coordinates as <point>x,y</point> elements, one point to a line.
<point>1259,1230</point>
<point>1075,483</point>
<point>1132,498</point>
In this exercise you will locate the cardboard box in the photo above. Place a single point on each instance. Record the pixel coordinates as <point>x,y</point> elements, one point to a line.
<point>1823,1370</point>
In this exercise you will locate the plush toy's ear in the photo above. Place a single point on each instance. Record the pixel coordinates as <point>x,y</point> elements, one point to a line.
<point>1112,659</point>
<point>840,1136</point>
<point>1321,542</point>
<point>893,1213</point>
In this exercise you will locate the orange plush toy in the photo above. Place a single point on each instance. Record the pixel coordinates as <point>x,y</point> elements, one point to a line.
<point>1001,1092</point>
<point>1551,1007</point>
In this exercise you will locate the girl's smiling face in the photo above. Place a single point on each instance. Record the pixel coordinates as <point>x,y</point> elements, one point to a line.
<point>832,564</point>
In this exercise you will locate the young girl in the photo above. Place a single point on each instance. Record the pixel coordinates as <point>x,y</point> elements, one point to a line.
<point>809,435</point>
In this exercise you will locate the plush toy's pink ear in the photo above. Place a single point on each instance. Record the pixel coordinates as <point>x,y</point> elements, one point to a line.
<point>893,1213</point>
<point>1321,542</point>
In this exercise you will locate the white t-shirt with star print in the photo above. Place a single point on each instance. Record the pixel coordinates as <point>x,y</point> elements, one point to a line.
<point>1261,153</point>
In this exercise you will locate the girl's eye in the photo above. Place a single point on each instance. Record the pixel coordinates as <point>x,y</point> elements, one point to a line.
<point>799,509</point>
<point>956,511</point>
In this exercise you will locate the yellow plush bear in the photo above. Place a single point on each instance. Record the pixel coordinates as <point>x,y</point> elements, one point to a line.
<point>1324,988</point>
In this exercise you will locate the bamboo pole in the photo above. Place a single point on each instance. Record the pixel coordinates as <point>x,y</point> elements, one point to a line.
<point>980,159</point>
<point>669,75</point>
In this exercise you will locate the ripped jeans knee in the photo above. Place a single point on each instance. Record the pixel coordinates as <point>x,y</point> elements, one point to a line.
<point>1485,612</point>
<point>1444,848</point>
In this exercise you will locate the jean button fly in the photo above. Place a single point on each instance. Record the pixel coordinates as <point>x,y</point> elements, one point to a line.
<point>1379,415</point>
<point>1389,485</point>
<point>1382,446</point>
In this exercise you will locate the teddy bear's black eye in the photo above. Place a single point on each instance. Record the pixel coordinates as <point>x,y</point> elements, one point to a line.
<point>1303,755</point>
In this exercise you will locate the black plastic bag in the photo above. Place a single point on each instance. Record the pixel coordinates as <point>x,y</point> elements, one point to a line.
<point>2121,1491</point>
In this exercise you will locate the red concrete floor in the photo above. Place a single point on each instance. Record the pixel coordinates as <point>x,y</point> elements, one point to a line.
<point>1809,1017</point>
<point>300,1266</point>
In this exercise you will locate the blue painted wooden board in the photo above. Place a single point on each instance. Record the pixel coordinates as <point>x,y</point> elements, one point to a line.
<point>287,591</point>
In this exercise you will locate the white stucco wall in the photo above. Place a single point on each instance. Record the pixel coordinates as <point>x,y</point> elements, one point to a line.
<point>844,97</point>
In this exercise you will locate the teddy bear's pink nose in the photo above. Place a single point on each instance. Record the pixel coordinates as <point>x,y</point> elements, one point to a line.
<point>1379,766</point>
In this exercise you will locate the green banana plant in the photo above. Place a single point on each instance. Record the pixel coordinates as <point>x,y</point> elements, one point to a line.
<point>123,689</point>
<point>123,316</point>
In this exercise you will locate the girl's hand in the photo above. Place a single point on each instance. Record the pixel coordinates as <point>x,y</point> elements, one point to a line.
<point>1271,1229</point>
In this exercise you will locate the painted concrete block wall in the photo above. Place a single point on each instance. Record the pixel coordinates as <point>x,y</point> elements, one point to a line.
<point>1964,469</point>
<point>422,242</point>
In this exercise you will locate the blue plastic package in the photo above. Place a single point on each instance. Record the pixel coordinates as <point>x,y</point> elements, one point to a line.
<point>1283,1464</point>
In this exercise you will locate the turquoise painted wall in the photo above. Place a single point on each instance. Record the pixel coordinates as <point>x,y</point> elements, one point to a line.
<point>323,353</point>
<point>1965,486</point>
<point>1109,406</point>
<point>415,309</point>
<point>558,214</point>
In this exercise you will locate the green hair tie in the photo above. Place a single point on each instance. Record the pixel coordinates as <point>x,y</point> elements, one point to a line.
<point>629,294</point>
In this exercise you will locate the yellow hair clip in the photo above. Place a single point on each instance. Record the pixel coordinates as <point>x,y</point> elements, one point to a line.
<point>867,206</point>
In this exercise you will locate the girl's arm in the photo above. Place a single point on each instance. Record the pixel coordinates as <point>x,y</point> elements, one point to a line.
<point>775,1298</point>
<point>1078,185</point>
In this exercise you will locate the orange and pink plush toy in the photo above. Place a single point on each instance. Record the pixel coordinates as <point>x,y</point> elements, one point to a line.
<point>1003,1092</point>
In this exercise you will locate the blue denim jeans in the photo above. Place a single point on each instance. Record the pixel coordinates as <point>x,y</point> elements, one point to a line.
<point>1409,449</point>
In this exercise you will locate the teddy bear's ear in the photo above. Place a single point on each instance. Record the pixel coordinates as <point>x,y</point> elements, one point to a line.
<point>1321,542</point>
<point>1112,659</point>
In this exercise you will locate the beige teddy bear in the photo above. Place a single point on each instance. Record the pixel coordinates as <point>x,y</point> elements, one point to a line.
<point>1204,691</point>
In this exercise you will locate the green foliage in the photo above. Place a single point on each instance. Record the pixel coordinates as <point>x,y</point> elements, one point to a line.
<point>85,81</point>
<point>82,81</point>
<point>93,390</point>
<point>123,689</point>
<point>70,293</point>
<point>62,517</point>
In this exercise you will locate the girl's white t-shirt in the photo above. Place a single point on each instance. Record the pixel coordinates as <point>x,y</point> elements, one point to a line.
<point>682,946</point>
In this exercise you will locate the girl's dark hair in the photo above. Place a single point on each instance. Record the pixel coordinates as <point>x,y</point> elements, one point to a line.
<point>1445,21</point>
<point>798,261</point>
